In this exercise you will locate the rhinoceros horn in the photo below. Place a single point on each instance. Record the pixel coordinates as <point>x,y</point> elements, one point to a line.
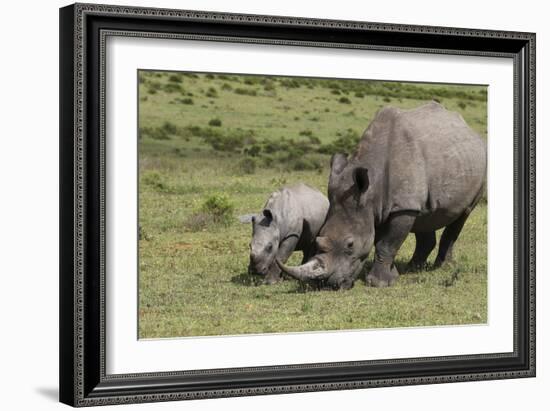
<point>312,270</point>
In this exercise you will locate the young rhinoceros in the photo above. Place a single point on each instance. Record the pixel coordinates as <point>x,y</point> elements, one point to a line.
<point>289,221</point>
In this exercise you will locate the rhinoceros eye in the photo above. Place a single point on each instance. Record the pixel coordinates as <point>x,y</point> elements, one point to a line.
<point>349,246</point>
<point>269,247</point>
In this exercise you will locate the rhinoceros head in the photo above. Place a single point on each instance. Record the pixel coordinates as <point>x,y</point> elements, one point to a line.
<point>347,236</point>
<point>265,242</point>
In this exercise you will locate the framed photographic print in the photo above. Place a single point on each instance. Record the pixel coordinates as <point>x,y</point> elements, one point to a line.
<point>261,204</point>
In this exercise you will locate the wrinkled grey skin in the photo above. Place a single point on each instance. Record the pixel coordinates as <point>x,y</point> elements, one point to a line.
<point>413,171</point>
<point>289,221</point>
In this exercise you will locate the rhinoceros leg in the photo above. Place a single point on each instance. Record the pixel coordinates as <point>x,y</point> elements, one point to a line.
<point>286,248</point>
<point>425,243</point>
<point>390,239</point>
<point>448,239</point>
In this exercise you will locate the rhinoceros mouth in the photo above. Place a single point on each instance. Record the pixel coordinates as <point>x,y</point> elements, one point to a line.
<point>256,272</point>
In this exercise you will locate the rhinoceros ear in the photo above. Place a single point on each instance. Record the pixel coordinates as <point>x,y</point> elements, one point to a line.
<point>337,163</point>
<point>361,179</point>
<point>268,214</point>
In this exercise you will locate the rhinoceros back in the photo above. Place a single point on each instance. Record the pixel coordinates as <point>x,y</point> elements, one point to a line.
<point>426,160</point>
<point>301,211</point>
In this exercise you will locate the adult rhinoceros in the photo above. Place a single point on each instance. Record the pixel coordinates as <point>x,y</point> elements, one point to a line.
<point>413,171</point>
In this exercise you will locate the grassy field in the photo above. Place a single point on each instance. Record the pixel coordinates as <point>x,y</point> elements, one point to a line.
<point>213,147</point>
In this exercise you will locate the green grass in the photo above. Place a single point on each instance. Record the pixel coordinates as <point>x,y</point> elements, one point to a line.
<point>193,279</point>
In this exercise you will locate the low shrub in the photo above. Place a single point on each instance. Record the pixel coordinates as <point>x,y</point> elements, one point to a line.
<point>290,82</point>
<point>295,152</point>
<point>215,122</point>
<point>345,143</point>
<point>172,88</point>
<point>169,127</point>
<point>246,91</point>
<point>230,140</point>
<point>253,151</point>
<point>211,92</point>
<point>163,132</point>
<point>220,207</point>
<point>314,140</point>
<point>271,147</point>
<point>155,85</point>
<point>175,78</point>
<point>344,100</point>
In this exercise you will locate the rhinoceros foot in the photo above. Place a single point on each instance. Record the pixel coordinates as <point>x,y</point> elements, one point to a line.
<point>382,275</point>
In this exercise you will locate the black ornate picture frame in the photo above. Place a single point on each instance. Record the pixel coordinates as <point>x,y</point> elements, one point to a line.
<point>83,31</point>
